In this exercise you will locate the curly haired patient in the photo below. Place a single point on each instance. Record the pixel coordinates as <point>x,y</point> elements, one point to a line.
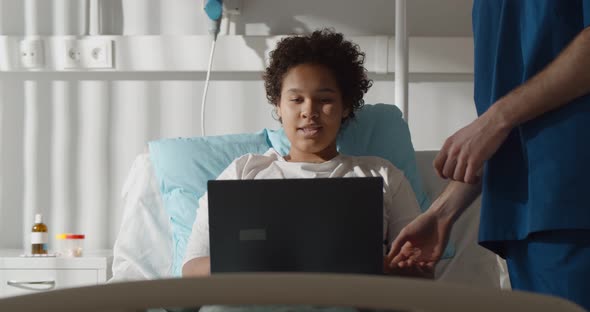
<point>316,83</point>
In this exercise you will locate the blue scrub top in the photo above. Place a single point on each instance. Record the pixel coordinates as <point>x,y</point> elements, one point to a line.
<point>540,177</point>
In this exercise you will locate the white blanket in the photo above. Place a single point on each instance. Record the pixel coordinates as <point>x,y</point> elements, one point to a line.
<point>143,249</point>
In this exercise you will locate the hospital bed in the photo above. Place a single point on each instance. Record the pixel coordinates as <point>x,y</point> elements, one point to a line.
<point>471,264</point>
<point>144,245</point>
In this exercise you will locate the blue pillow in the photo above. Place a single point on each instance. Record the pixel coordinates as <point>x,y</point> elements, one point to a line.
<point>183,166</point>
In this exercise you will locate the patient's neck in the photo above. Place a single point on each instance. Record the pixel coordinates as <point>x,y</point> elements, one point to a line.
<point>324,155</point>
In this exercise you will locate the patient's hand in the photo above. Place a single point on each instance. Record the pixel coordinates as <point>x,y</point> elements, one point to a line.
<point>420,244</point>
<point>408,271</point>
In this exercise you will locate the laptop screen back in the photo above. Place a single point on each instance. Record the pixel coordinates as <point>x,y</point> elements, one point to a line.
<point>296,225</point>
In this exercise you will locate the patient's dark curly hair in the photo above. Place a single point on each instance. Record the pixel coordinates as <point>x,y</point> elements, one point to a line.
<point>324,47</point>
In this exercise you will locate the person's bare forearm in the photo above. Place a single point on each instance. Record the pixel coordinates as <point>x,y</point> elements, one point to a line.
<point>564,79</point>
<point>197,267</point>
<point>454,200</point>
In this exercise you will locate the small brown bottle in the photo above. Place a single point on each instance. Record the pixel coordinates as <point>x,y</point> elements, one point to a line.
<point>39,236</point>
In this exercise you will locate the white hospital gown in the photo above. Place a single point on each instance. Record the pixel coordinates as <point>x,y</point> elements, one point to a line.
<point>399,202</point>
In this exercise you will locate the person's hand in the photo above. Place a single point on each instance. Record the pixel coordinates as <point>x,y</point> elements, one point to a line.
<point>421,243</point>
<point>464,153</point>
<point>407,271</point>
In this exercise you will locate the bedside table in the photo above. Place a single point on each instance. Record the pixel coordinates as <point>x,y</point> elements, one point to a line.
<point>24,275</point>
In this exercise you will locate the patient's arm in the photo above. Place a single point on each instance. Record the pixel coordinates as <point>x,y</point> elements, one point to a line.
<point>197,250</point>
<point>197,267</point>
<point>402,210</point>
<point>453,201</point>
<point>423,240</point>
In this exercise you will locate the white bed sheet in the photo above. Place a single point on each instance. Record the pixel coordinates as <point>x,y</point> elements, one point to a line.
<point>143,249</point>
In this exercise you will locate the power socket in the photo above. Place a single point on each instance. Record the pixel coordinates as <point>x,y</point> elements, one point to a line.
<point>31,53</point>
<point>98,53</point>
<point>90,53</point>
<point>73,55</point>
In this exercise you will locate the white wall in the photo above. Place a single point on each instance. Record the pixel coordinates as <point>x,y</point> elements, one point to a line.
<point>90,130</point>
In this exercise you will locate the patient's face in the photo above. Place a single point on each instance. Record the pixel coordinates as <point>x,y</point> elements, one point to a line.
<point>311,110</point>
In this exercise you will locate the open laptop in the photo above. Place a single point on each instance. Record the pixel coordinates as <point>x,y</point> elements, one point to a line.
<point>296,225</point>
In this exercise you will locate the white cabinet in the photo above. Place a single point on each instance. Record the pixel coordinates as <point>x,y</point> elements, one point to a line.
<point>24,275</point>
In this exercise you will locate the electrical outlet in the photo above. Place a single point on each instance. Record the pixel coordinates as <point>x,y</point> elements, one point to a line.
<point>72,56</point>
<point>98,53</point>
<point>92,53</point>
<point>31,53</point>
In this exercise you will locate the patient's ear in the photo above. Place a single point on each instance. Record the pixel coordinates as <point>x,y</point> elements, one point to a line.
<point>277,111</point>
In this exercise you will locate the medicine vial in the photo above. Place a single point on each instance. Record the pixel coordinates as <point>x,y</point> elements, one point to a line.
<point>39,236</point>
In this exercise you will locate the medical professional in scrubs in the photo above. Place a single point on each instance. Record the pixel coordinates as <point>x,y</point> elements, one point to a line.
<point>528,152</point>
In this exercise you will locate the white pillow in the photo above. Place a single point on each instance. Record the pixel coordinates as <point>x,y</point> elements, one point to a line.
<point>143,249</point>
